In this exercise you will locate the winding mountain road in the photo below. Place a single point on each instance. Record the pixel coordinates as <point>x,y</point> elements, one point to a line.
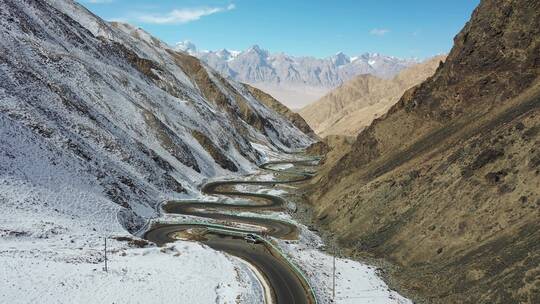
<point>287,285</point>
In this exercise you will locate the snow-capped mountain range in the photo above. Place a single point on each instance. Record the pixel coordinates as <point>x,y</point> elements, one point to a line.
<point>295,81</point>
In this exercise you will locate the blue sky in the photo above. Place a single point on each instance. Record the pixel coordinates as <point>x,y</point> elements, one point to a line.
<point>411,28</point>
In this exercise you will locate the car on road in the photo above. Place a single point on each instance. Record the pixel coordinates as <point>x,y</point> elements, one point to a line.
<point>252,238</point>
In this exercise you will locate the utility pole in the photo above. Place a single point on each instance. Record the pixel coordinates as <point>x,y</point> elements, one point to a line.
<point>105,254</point>
<point>334,274</point>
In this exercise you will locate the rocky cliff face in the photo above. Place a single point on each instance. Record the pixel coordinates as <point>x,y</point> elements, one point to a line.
<point>140,121</point>
<point>354,105</point>
<point>446,185</point>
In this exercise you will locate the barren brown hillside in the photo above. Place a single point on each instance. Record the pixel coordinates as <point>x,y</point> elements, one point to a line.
<point>353,106</point>
<point>446,185</point>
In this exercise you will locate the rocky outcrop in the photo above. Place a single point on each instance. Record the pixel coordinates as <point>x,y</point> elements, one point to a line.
<point>445,185</point>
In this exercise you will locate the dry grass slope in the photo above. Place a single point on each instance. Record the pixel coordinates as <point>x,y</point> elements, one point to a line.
<point>446,185</point>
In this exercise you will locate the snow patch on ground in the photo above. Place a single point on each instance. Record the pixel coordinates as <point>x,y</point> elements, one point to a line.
<point>355,282</point>
<point>171,274</point>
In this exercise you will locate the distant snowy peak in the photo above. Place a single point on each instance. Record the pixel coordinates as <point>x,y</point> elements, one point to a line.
<point>186,46</point>
<point>256,64</point>
<point>255,49</point>
<point>226,54</point>
<point>340,59</point>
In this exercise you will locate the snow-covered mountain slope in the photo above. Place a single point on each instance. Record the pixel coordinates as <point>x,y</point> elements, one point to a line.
<point>99,123</point>
<point>295,80</point>
<point>112,101</point>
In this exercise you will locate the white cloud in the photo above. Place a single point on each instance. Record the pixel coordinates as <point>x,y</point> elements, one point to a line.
<point>183,15</point>
<point>379,31</point>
